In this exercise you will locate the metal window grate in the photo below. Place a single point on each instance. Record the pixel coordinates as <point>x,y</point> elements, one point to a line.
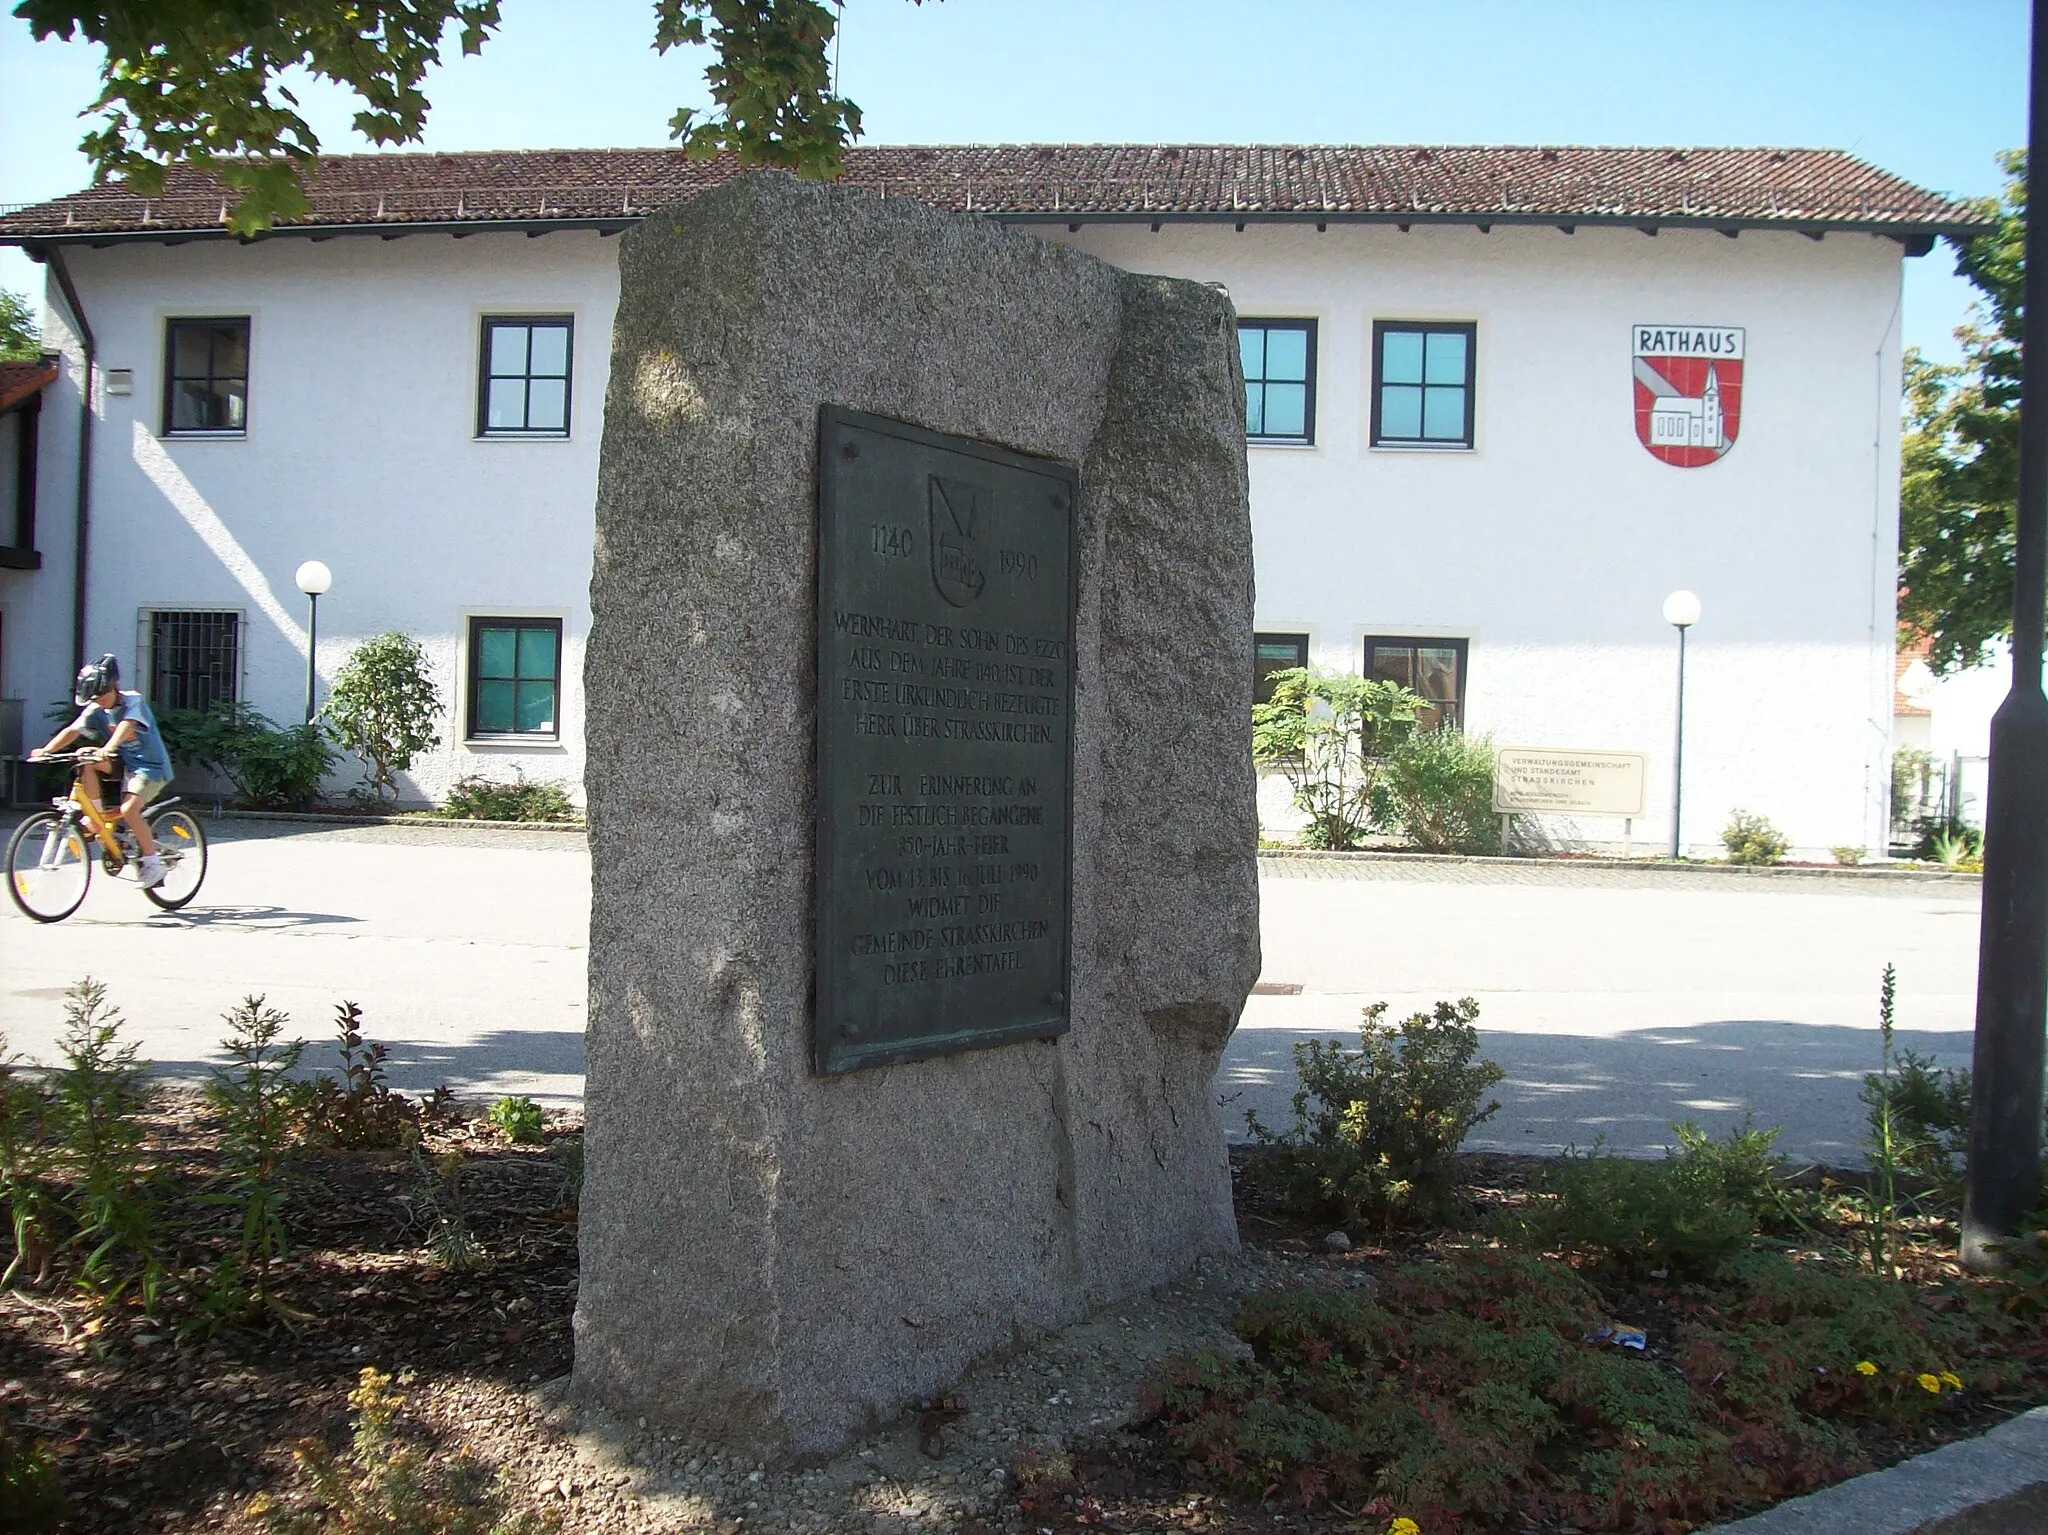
<point>195,659</point>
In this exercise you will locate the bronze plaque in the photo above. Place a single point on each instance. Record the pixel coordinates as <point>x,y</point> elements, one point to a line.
<point>945,738</point>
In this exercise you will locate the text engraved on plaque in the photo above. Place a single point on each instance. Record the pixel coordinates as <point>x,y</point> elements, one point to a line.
<point>945,704</point>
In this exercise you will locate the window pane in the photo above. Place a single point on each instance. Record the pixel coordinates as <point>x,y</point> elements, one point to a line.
<point>537,652</point>
<point>1255,409</point>
<point>228,404</point>
<point>190,352</point>
<point>189,404</point>
<point>508,350</point>
<point>1287,354</point>
<point>1446,357</point>
<point>1400,357</point>
<point>1400,412</point>
<point>507,404</point>
<point>230,351</point>
<point>493,706</point>
<point>1438,673</point>
<point>1281,653</point>
<point>1251,347</point>
<point>496,652</point>
<point>1394,664</point>
<point>550,351</point>
<point>1286,410</point>
<point>1443,415</point>
<point>536,706</point>
<point>547,405</point>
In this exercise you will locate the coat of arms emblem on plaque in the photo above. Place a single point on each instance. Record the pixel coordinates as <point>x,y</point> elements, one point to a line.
<point>1688,391</point>
<point>956,547</point>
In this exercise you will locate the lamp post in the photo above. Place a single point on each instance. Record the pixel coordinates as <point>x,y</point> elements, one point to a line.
<point>1681,611</point>
<point>313,578</point>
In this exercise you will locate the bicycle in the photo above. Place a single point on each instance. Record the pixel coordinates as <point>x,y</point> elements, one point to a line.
<point>51,854</point>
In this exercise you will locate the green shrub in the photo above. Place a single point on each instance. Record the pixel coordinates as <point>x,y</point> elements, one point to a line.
<point>1329,734</point>
<point>98,1098</point>
<point>360,1111</point>
<point>1387,1118</point>
<point>477,798</point>
<point>1744,1168</point>
<point>1929,1109</point>
<point>1847,855</point>
<point>261,1112</point>
<point>451,1243</point>
<point>386,1484</point>
<point>385,708</point>
<point>1441,782</point>
<point>29,1497</point>
<point>272,767</point>
<point>1670,1216</point>
<point>1750,839</point>
<point>520,1120</point>
<point>27,1158</point>
<point>1460,1394</point>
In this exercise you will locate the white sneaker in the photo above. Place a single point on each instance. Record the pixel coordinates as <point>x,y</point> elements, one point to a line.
<point>151,871</point>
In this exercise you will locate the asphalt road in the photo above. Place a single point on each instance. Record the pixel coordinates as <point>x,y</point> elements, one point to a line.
<point>1618,1001</point>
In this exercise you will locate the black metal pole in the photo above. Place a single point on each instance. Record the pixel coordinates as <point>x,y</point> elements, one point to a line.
<point>312,647</point>
<point>1678,751</point>
<point>2004,1179</point>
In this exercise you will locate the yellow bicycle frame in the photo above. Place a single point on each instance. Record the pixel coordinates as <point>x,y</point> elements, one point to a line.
<point>103,823</point>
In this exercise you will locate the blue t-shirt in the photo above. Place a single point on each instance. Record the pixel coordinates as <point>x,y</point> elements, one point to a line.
<point>143,752</point>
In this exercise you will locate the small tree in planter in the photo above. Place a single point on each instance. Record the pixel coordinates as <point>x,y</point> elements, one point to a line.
<point>385,708</point>
<point>1329,735</point>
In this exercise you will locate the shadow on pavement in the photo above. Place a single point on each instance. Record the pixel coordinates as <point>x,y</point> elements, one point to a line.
<point>1567,1090</point>
<point>542,1064</point>
<point>264,917</point>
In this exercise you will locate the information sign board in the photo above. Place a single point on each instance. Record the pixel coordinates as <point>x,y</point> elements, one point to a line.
<point>1529,779</point>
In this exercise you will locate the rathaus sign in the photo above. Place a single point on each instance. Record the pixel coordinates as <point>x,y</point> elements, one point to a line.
<point>1688,386</point>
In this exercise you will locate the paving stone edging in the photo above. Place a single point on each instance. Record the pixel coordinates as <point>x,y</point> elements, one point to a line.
<point>1639,865</point>
<point>1996,1484</point>
<point>403,818</point>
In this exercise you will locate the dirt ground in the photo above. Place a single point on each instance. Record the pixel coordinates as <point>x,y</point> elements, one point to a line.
<point>157,1434</point>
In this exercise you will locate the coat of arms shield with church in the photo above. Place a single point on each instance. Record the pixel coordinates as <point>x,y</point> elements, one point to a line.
<point>1688,388</point>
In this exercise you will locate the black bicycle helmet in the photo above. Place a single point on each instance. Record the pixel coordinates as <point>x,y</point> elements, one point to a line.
<point>95,678</point>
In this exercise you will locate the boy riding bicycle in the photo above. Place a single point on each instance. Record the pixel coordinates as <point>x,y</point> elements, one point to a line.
<point>133,738</point>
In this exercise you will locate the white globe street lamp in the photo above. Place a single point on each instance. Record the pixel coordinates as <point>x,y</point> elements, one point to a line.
<point>1681,611</point>
<point>313,578</point>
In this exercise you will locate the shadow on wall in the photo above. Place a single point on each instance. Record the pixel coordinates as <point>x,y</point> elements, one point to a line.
<point>546,1065</point>
<point>1566,1090</point>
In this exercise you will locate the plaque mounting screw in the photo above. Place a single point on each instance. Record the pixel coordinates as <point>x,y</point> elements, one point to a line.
<point>850,451</point>
<point>1056,998</point>
<point>1060,500</point>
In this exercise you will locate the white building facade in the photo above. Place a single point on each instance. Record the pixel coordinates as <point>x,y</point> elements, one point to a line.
<point>1486,438</point>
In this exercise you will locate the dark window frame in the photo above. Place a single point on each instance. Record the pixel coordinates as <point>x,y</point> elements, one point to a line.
<point>484,429</point>
<point>172,378</point>
<point>1370,643</point>
<point>1261,693</point>
<point>474,678</point>
<point>1308,327</point>
<point>1469,329</point>
<point>177,639</point>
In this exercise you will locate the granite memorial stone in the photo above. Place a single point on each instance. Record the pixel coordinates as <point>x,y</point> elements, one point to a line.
<point>814,1190</point>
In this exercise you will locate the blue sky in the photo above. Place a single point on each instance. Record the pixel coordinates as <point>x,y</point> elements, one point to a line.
<point>1932,92</point>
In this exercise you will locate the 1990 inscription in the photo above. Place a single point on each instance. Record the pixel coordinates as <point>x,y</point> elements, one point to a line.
<point>944,685</point>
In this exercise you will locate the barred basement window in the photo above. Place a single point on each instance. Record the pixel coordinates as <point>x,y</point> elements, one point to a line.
<point>195,659</point>
<point>515,677</point>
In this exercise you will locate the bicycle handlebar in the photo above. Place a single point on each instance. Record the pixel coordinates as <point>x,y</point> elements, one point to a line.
<point>58,758</point>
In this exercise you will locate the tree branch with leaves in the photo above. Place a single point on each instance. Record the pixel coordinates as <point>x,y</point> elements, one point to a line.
<point>198,82</point>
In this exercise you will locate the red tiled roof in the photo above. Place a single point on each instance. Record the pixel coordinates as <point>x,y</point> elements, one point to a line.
<point>1812,190</point>
<point>19,380</point>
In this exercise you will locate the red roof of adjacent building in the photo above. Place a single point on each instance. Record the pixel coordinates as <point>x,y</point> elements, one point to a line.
<point>1813,191</point>
<point>20,380</point>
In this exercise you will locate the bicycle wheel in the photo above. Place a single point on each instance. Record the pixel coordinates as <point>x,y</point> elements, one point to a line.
<point>49,867</point>
<point>182,845</point>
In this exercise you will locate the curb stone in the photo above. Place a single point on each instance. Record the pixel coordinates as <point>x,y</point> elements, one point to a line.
<point>1996,1484</point>
<point>1640,865</point>
<point>404,818</point>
